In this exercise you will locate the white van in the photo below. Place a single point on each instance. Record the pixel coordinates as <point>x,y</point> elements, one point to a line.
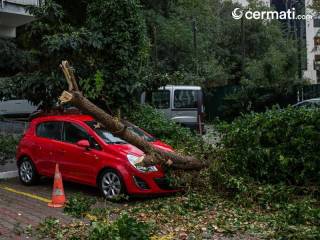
<point>182,104</point>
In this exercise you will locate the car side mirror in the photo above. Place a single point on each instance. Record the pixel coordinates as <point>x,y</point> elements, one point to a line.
<point>84,143</point>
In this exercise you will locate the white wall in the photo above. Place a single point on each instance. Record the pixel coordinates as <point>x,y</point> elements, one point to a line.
<point>311,31</point>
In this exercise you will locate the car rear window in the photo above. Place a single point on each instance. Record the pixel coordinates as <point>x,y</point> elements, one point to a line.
<point>51,130</point>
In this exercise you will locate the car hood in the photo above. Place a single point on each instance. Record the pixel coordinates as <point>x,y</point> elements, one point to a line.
<point>162,146</point>
<point>125,149</point>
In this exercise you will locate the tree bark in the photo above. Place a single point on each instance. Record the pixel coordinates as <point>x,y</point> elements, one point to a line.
<point>116,127</point>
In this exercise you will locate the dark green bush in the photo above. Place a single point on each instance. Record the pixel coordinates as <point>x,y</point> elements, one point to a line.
<point>8,146</point>
<point>280,145</point>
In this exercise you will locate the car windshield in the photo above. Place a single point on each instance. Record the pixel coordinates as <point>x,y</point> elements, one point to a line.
<point>104,134</point>
<point>139,132</point>
<point>309,104</point>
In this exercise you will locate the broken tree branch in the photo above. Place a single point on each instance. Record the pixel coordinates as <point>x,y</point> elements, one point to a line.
<point>153,155</point>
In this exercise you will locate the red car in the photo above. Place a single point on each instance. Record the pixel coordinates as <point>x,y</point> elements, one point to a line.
<point>88,154</point>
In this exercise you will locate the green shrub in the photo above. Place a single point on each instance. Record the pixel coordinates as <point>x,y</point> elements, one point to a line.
<point>272,147</point>
<point>78,205</point>
<point>180,138</point>
<point>8,146</point>
<point>123,228</point>
<point>49,227</point>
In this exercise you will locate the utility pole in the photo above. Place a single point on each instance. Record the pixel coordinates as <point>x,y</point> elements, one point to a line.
<point>155,43</point>
<point>243,49</point>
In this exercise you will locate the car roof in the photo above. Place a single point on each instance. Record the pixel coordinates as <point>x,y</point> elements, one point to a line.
<point>78,117</point>
<point>312,100</point>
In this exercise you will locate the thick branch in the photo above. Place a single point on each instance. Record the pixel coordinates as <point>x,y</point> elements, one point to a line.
<point>153,155</point>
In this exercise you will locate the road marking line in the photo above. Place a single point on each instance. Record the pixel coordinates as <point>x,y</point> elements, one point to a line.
<point>30,195</point>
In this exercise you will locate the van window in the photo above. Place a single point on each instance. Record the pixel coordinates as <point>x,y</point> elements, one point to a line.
<point>185,98</point>
<point>52,130</point>
<point>159,99</point>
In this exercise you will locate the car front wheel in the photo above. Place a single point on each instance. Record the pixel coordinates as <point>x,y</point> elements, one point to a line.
<point>27,172</point>
<point>111,184</point>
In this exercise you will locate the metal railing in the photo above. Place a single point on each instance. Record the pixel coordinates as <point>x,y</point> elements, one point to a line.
<point>13,127</point>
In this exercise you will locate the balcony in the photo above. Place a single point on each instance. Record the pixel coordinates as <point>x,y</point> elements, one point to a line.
<point>13,14</point>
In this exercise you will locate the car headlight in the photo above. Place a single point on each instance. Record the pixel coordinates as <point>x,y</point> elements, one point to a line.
<point>135,160</point>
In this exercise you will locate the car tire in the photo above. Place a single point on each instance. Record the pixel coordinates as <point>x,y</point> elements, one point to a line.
<point>27,172</point>
<point>111,184</point>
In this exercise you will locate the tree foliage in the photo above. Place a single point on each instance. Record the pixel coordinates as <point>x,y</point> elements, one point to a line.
<point>105,41</point>
<point>119,48</point>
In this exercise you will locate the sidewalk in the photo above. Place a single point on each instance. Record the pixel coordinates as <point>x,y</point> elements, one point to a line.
<point>9,169</point>
<point>24,207</point>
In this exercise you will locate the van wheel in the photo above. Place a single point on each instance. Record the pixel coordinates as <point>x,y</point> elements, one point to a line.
<point>110,184</point>
<point>27,172</point>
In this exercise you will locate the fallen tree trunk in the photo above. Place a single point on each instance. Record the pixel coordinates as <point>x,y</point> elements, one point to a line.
<point>116,127</point>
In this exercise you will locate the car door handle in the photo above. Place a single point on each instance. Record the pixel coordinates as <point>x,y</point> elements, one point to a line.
<point>95,156</point>
<point>62,151</point>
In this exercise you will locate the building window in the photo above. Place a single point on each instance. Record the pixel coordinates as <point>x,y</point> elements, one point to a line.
<point>318,76</point>
<point>317,62</point>
<point>316,22</point>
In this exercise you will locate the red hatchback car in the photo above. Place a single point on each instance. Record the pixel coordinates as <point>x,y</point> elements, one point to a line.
<point>88,154</point>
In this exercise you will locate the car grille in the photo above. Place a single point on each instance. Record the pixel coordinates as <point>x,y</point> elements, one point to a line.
<point>141,183</point>
<point>163,183</point>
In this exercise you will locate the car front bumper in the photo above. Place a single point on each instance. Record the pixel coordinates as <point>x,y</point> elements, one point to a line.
<point>148,183</point>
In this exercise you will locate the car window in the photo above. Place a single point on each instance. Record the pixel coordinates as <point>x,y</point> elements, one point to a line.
<point>52,130</point>
<point>185,98</point>
<point>73,133</point>
<point>159,99</point>
<point>308,104</point>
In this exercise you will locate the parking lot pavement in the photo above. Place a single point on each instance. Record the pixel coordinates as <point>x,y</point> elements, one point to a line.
<point>23,207</point>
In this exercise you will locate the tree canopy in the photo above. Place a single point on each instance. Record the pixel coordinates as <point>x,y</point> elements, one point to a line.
<point>119,48</point>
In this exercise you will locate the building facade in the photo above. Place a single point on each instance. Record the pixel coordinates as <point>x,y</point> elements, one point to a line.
<point>312,72</point>
<point>13,13</point>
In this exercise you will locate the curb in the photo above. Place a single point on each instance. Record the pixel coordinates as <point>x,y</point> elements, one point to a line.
<point>9,174</point>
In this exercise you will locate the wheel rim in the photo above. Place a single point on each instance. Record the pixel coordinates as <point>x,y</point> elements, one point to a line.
<point>111,185</point>
<point>26,171</point>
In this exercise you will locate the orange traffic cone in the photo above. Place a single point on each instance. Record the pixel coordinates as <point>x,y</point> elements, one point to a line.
<point>58,197</point>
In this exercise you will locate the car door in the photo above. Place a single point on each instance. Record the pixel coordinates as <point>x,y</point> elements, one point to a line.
<point>47,134</point>
<point>185,106</point>
<point>77,163</point>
